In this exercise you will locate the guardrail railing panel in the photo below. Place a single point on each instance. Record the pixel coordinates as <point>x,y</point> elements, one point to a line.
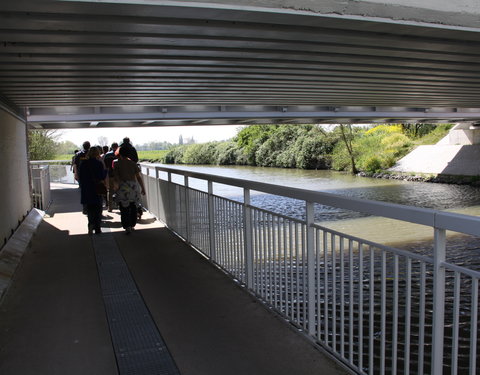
<point>377,309</point>
<point>41,196</point>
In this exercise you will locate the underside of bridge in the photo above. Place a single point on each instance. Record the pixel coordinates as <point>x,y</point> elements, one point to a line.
<point>71,64</point>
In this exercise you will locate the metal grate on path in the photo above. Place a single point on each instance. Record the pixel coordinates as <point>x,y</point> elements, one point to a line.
<point>138,345</point>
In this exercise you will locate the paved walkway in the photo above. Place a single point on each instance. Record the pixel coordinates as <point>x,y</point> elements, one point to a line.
<point>53,319</point>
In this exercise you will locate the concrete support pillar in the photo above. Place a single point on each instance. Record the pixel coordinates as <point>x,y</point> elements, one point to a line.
<point>15,201</point>
<point>464,134</point>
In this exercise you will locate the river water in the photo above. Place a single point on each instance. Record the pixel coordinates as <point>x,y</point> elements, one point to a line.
<point>456,198</point>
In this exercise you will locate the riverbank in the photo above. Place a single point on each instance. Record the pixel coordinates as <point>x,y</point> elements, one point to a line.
<point>421,177</point>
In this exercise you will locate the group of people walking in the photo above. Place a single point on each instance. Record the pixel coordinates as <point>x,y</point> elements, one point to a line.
<point>112,173</point>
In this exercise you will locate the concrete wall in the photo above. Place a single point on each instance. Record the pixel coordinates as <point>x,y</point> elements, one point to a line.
<point>14,182</point>
<point>464,134</point>
<point>463,13</point>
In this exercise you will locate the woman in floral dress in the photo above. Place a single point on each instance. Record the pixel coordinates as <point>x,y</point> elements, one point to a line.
<point>130,186</point>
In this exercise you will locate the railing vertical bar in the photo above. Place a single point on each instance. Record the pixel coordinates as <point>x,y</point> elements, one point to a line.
<point>351,302</point>
<point>267,258</point>
<point>325,288</point>
<point>360,305</point>
<point>274,260</point>
<point>297,262</point>
<point>334,295</point>
<point>170,200</point>
<point>229,243</point>
<point>342,297</point>
<point>310,245</point>
<point>269,255</point>
<point>187,208</point>
<point>438,300</point>
<point>255,249</point>
<point>421,318</point>
<point>408,316</point>
<point>219,230</point>
<point>291,241</point>
<point>223,240</point>
<point>234,229</point>
<point>371,312</point>
<point>319,295</point>
<point>157,191</point>
<point>233,242</point>
<point>455,322</point>
<point>395,315</point>
<point>283,269</point>
<point>383,308</point>
<point>304,284</point>
<point>228,236</point>
<point>241,242</point>
<point>238,251</point>
<point>474,327</point>
<point>264,254</point>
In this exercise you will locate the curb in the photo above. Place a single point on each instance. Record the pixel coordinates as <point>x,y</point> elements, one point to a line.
<point>11,254</point>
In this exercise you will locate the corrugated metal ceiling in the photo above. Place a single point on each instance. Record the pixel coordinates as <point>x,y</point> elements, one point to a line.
<point>77,64</point>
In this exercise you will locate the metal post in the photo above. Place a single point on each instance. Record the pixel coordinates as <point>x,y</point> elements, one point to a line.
<point>168,216</point>
<point>146,183</point>
<point>310,268</point>
<point>247,217</point>
<point>211,222</point>
<point>438,300</point>
<point>157,192</point>
<point>187,210</point>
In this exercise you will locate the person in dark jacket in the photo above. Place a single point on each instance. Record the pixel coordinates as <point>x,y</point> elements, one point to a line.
<point>108,159</point>
<point>79,158</point>
<point>131,151</point>
<point>92,171</point>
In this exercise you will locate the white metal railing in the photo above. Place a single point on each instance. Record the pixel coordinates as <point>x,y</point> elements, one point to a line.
<point>60,170</point>
<point>376,308</point>
<point>40,186</point>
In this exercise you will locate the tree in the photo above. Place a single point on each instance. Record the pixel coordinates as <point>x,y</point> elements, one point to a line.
<point>41,144</point>
<point>66,147</point>
<point>347,137</point>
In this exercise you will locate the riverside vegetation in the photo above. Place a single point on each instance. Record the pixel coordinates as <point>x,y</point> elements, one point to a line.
<point>368,150</point>
<point>344,148</point>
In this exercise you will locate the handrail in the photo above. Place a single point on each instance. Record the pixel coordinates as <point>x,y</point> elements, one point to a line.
<point>424,216</point>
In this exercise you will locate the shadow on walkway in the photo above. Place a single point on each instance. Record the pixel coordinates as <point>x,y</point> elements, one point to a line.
<point>52,319</point>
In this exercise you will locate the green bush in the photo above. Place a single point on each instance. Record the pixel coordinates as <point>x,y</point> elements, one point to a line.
<point>251,138</point>
<point>175,155</point>
<point>374,149</point>
<point>227,153</point>
<point>201,153</point>
<point>440,131</point>
<point>372,163</point>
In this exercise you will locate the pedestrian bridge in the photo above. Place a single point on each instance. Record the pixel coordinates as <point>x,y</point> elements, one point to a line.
<point>86,64</point>
<point>226,286</point>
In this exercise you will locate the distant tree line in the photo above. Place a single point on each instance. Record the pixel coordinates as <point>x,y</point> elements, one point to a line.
<point>156,145</point>
<point>345,148</point>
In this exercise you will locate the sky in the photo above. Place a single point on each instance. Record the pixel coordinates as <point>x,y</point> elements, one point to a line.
<point>141,135</point>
